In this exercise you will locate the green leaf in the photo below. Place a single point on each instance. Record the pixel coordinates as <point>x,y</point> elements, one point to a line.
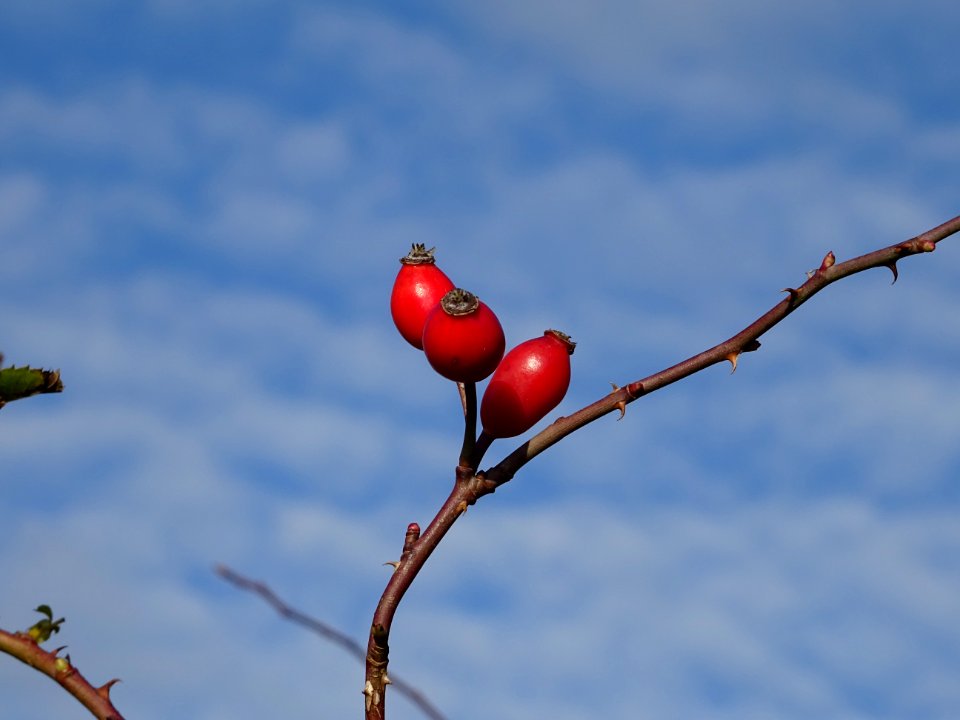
<point>43,629</point>
<point>17,383</point>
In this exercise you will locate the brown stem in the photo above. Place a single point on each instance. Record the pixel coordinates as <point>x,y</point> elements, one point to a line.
<point>469,487</point>
<point>481,447</point>
<point>25,648</point>
<point>468,396</point>
<point>325,631</point>
<point>466,490</point>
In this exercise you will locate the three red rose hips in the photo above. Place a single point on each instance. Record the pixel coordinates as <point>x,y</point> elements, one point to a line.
<point>464,342</point>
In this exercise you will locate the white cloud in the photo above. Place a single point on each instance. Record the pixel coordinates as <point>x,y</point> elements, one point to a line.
<point>210,268</point>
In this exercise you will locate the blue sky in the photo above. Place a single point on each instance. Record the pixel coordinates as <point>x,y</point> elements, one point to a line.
<point>202,205</point>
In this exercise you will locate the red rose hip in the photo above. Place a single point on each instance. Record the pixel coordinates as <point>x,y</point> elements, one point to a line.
<point>418,288</point>
<point>462,338</point>
<point>530,382</point>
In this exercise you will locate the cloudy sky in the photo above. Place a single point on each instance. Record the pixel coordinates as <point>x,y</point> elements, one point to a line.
<point>202,204</point>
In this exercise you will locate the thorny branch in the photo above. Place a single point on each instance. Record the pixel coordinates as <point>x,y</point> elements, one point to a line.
<point>471,485</point>
<point>26,649</point>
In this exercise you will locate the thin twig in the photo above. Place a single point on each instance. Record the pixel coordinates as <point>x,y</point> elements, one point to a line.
<point>325,631</point>
<point>728,351</point>
<point>469,487</point>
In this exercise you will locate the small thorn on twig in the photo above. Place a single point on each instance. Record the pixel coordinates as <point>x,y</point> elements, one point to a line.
<point>794,293</point>
<point>387,680</point>
<point>369,692</point>
<point>732,359</point>
<point>893,268</point>
<point>621,405</point>
<point>394,563</point>
<point>104,690</point>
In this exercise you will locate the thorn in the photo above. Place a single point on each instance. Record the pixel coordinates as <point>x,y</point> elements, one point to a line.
<point>104,690</point>
<point>368,691</point>
<point>732,359</point>
<point>622,405</point>
<point>394,563</point>
<point>828,260</point>
<point>810,273</point>
<point>387,680</point>
<point>892,265</point>
<point>794,293</point>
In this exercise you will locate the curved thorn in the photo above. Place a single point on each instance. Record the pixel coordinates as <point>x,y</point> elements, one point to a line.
<point>892,266</point>
<point>393,563</point>
<point>732,358</point>
<point>104,690</point>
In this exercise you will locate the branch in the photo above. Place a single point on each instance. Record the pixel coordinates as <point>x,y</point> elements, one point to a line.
<point>17,383</point>
<point>24,646</point>
<point>469,487</point>
<point>325,631</point>
<point>747,340</point>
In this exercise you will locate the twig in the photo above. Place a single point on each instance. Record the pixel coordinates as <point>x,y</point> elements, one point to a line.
<point>469,487</point>
<point>24,648</point>
<point>325,631</point>
<point>468,397</point>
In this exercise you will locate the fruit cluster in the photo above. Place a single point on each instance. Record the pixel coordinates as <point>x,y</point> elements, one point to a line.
<point>464,342</point>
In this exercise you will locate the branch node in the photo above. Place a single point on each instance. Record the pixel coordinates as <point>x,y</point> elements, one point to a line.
<point>409,540</point>
<point>634,390</point>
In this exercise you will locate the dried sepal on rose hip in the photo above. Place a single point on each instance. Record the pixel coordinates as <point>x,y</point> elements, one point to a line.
<point>419,286</point>
<point>462,338</point>
<point>530,381</point>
